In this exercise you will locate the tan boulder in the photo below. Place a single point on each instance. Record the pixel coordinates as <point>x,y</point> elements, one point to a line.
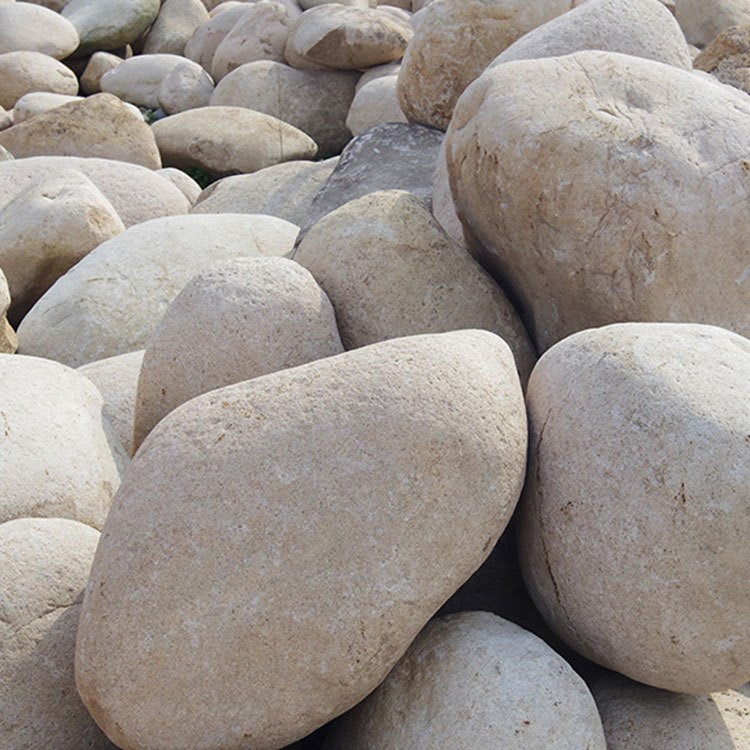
<point>111,301</point>
<point>186,86</point>
<point>636,216</point>
<point>22,72</point>
<point>229,140</point>
<point>292,535</point>
<point>202,45</point>
<point>316,102</point>
<point>390,271</point>
<point>189,187</point>
<point>8,338</point>
<point>98,126</point>
<point>175,24</point>
<point>37,102</point>
<point>136,193</point>
<point>99,63</point>
<point>246,318</point>
<point>643,463</point>
<point>375,103</point>
<point>24,26</point>
<point>116,378</point>
<point>703,20</point>
<point>60,458</point>
<point>474,681</point>
<point>727,58</point>
<point>44,565</point>
<point>347,38</point>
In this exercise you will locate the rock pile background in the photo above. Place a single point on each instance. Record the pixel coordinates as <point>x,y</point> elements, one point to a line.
<point>374,375</point>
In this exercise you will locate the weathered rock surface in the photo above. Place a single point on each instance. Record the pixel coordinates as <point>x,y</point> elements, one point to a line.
<point>8,338</point>
<point>186,86</point>
<point>36,102</point>
<point>99,63</point>
<point>310,583</point>
<point>24,26</point>
<point>637,215</point>
<point>644,463</point>
<point>202,46</point>
<point>44,565</point>
<point>473,681</point>
<point>267,313</point>
<point>390,271</point>
<point>112,300</point>
<point>23,72</point>
<point>727,58</point>
<point>190,188</point>
<point>702,20</point>
<point>375,103</point>
<point>58,458</point>
<point>176,23</point>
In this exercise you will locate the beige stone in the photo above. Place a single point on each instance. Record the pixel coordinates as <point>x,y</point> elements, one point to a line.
<point>202,46</point>
<point>702,20</point>
<point>22,72</point>
<point>644,28</point>
<point>374,104</point>
<point>37,102</point>
<point>136,193</point>
<point>390,271</point>
<point>246,318</point>
<point>727,58</point>
<point>60,458</point>
<point>316,102</point>
<point>116,378</point>
<point>387,69</point>
<point>99,63</point>
<point>454,40</point>
<point>189,187</point>
<point>638,453</point>
<point>8,338</point>
<point>175,24</point>
<point>284,190</point>
<point>473,681</point>
<point>229,140</point>
<point>637,214</point>
<point>347,37</point>
<point>44,565</point>
<point>48,228</point>
<point>24,26</point>
<point>112,300</point>
<point>260,33</point>
<point>318,535</point>
<point>98,126</point>
<point>186,86</point>
<point>638,717</point>
<point>6,120</point>
<point>443,208</point>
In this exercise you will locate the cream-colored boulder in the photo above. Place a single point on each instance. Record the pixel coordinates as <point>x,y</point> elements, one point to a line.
<point>454,40</point>
<point>99,63</point>
<point>284,190</point>
<point>48,228</point>
<point>702,20</point>
<point>390,271</point>
<point>8,338</point>
<point>202,45</point>
<point>246,318</point>
<point>229,140</point>
<point>136,193</point>
<point>104,25</point>
<point>260,33</point>
<point>175,24</point>
<point>137,79</point>
<point>112,300</point>
<point>116,378</point>
<point>186,86</point>
<point>60,458</point>
<point>23,72</point>
<point>37,102</point>
<point>24,26</point>
<point>644,28</point>
<point>634,517</point>
<point>98,126</point>
<point>315,101</point>
<point>6,120</point>
<point>189,187</point>
<point>318,534</point>
<point>347,37</point>
<point>637,215</point>
<point>375,103</point>
<point>474,681</point>
<point>638,717</point>
<point>387,69</point>
<point>44,565</point>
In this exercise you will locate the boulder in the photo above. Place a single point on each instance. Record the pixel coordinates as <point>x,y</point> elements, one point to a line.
<point>317,531</point>
<point>637,215</point>
<point>246,318</point>
<point>136,193</point>
<point>44,565</point>
<point>98,126</point>
<point>23,72</point>
<point>229,140</point>
<point>37,102</point>
<point>643,463</point>
<point>702,20</point>
<point>202,46</point>
<point>473,681</point>
<point>112,300</point>
<point>443,208</point>
<point>374,104</point>
<point>60,458</point>
<point>186,86</point>
<point>189,187</point>
<point>316,102</point>
<point>99,63</point>
<point>346,37</point>
<point>387,69</point>
<point>109,24</point>
<point>8,338</point>
<point>116,378</point>
<point>454,41</point>
<point>24,26</point>
<point>727,58</point>
<point>390,271</point>
<point>175,24</point>
<point>46,229</point>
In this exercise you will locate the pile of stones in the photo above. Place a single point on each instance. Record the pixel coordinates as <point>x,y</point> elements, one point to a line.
<point>375,375</point>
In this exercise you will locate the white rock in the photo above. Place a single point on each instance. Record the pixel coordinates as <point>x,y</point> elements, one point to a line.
<point>37,102</point>
<point>23,72</point>
<point>8,338</point>
<point>99,63</point>
<point>375,103</point>
<point>24,26</point>
<point>201,47</point>
<point>702,20</point>
<point>175,24</point>
<point>186,86</point>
